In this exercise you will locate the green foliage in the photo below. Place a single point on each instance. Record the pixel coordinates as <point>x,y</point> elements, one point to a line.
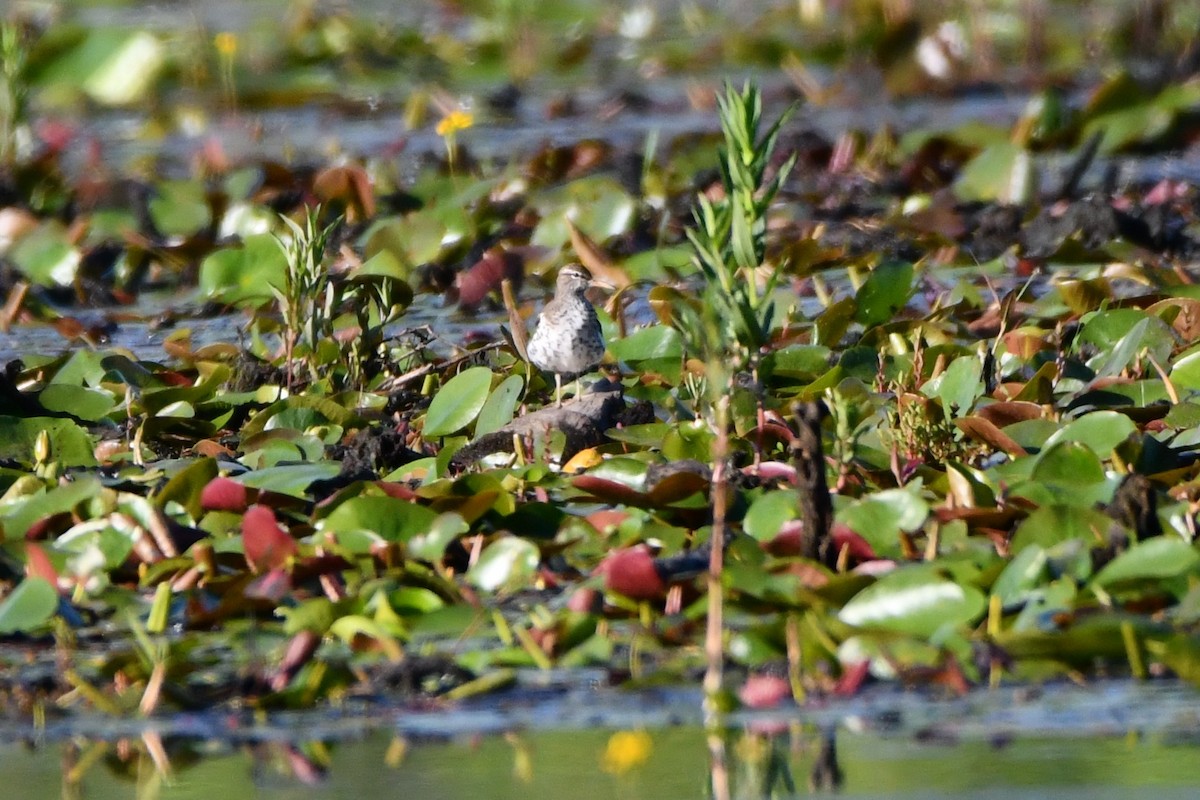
<point>306,298</point>
<point>14,93</point>
<point>729,238</point>
<point>29,607</point>
<point>984,441</point>
<point>310,300</point>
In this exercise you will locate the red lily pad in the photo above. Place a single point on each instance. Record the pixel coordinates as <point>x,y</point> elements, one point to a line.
<point>267,545</point>
<point>631,572</point>
<point>272,586</point>
<point>225,494</point>
<point>485,276</point>
<point>764,691</point>
<point>38,565</point>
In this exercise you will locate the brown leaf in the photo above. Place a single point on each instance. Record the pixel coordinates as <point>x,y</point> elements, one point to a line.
<point>612,492</point>
<point>595,260</point>
<point>676,487</point>
<point>984,431</point>
<point>272,586</point>
<point>300,651</point>
<point>349,185</point>
<point>1185,321</point>
<point>1006,412</point>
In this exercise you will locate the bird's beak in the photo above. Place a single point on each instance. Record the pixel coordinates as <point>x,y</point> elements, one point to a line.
<point>599,284</point>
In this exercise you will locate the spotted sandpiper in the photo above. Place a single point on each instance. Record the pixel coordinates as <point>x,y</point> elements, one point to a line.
<point>568,340</point>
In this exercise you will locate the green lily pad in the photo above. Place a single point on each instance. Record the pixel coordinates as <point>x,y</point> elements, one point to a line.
<point>880,517</point>
<point>246,273</point>
<point>180,208</point>
<point>1021,575</point>
<point>959,386</point>
<point>1068,462</point>
<point>47,257</point>
<point>1050,525</point>
<point>916,600</point>
<point>16,518</point>
<point>1002,172</point>
<point>29,606</point>
<point>114,66</point>
<point>1101,431</point>
<point>290,479</point>
<point>768,513</point>
<point>1185,373</point>
<point>885,292</point>
<point>458,402</point>
<point>70,444</point>
<point>431,544</point>
<point>657,341</point>
<point>598,205</point>
<point>509,562</point>
<point>1157,558</point>
<point>500,406</point>
<point>390,518</point>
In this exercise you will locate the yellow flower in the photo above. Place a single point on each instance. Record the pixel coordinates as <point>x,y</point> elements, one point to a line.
<point>625,751</point>
<point>457,120</point>
<point>226,43</point>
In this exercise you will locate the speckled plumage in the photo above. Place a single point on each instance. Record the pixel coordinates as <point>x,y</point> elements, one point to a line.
<point>568,340</point>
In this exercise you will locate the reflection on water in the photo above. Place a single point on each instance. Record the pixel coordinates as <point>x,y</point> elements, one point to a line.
<point>547,741</point>
<point>669,763</point>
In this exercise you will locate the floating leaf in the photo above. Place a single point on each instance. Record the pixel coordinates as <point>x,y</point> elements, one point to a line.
<point>266,544</point>
<point>1052,524</point>
<point>1026,571</point>
<point>1101,431</point>
<point>16,518</point>
<point>70,445</point>
<point>885,292</point>
<point>768,514</point>
<point>180,208</point>
<point>657,341</point>
<point>509,562</point>
<point>236,274</point>
<point>879,518</point>
<point>293,479</point>
<point>114,66</point>
<point>1157,558</point>
<point>458,402</point>
<point>1002,172</point>
<point>1185,373</point>
<point>957,387</point>
<point>501,405</point>
<point>28,606</point>
<point>225,494</point>
<point>47,256</point>
<point>431,544</point>
<point>1068,462</point>
<point>631,572</point>
<point>387,517</point>
<point>915,600</point>
<point>189,487</point>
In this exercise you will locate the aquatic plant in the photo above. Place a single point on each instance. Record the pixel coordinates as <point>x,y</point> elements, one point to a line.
<point>729,238</point>
<point>14,92</point>
<point>306,298</point>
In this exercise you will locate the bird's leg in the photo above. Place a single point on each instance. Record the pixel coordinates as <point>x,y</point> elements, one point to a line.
<point>558,390</point>
<point>578,387</point>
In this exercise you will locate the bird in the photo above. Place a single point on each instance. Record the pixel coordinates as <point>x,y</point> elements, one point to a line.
<point>568,340</point>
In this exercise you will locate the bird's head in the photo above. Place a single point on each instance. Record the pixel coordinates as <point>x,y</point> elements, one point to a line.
<point>575,279</point>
